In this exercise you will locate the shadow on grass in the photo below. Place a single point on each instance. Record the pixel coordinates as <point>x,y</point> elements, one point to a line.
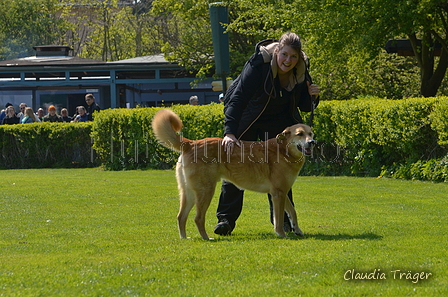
<point>317,236</point>
<point>320,236</point>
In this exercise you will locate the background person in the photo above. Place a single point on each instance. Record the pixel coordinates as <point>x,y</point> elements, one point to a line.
<point>194,100</point>
<point>264,101</point>
<point>52,116</point>
<point>30,116</point>
<point>3,113</point>
<point>21,114</point>
<point>82,115</point>
<point>91,106</point>
<point>11,117</point>
<point>40,114</point>
<point>65,117</point>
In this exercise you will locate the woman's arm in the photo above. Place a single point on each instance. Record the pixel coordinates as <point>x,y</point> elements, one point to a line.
<point>250,82</point>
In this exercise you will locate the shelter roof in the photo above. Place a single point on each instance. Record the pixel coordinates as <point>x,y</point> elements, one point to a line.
<point>50,61</point>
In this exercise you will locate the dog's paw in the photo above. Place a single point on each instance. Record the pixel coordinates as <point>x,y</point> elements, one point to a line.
<point>282,234</point>
<point>299,232</point>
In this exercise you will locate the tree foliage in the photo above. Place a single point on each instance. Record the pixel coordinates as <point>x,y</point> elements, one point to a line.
<point>109,31</point>
<point>355,26</point>
<point>344,39</point>
<point>25,24</point>
<point>188,40</point>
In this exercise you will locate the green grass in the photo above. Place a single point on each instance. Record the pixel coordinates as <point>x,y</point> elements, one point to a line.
<point>87,232</point>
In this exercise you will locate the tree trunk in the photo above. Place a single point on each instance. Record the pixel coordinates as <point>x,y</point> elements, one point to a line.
<point>430,78</point>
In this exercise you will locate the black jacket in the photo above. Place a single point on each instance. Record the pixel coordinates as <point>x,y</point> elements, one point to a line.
<point>251,92</point>
<point>11,121</point>
<point>90,109</point>
<point>53,119</point>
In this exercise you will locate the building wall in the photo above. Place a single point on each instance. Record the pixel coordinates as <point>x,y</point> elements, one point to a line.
<point>15,98</point>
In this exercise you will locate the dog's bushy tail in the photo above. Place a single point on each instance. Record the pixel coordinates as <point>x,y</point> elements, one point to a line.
<point>165,125</point>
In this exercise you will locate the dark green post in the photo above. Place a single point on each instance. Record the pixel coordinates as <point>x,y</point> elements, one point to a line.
<point>218,17</point>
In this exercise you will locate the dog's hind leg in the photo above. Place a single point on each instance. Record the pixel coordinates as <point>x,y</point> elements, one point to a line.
<point>187,200</point>
<point>292,215</point>
<point>203,198</point>
<point>186,204</point>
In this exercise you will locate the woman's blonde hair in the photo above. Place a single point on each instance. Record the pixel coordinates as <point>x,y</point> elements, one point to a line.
<point>8,109</point>
<point>30,113</point>
<point>292,40</point>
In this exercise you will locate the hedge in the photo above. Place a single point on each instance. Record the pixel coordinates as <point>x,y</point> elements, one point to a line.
<point>123,138</point>
<point>373,135</point>
<point>43,145</point>
<point>363,137</point>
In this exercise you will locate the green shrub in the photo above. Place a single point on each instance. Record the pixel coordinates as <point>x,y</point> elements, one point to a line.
<point>123,138</point>
<point>363,137</point>
<point>432,170</point>
<point>439,120</point>
<point>40,145</point>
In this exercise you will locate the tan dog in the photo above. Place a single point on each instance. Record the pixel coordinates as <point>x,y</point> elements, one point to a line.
<point>268,167</point>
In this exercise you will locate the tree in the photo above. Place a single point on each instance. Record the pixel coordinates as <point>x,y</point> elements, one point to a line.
<point>113,30</point>
<point>344,39</point>
<point>356,25</point>
<point>187,34</point>
<point>189,41</point>
<point>25,24</point>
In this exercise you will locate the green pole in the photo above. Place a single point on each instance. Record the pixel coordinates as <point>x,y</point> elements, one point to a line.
<point>219,17</point>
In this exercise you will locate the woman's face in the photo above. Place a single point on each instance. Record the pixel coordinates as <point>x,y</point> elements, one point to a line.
<point>11,112</point>
<point>287,59</point>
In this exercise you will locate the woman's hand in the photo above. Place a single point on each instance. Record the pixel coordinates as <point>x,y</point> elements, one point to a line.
<point>228,142</point>
<point>313,89</point>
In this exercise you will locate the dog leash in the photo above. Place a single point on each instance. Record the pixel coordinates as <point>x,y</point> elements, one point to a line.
<point>313,106</point>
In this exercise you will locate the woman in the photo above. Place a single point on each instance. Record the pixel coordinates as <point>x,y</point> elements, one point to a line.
<point>263,102</point>
<point>82,115</point>
<point>52,117</point>
<point>30,116</point>
<point>65,117</point>
<point>10,117</point>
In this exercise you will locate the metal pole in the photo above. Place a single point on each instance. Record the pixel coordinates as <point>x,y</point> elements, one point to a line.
<point>218,17</point>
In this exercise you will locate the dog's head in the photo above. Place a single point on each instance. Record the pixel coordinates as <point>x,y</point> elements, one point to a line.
<point>301,136</point>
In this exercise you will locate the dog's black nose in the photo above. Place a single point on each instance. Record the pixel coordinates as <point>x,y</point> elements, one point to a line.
<point>312,142</point>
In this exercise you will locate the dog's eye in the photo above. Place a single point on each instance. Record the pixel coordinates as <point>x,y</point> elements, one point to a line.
<point>300,133</point>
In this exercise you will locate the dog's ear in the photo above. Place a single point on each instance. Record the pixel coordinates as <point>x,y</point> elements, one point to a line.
<point>282,136</point>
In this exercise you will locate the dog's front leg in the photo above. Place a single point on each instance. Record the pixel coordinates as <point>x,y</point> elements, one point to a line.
<point>278,202</point>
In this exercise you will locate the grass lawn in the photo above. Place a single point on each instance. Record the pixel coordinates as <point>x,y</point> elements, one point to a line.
<point>88,232</point>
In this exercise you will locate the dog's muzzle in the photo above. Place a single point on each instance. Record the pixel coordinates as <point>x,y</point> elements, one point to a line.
<point>307,149</point>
